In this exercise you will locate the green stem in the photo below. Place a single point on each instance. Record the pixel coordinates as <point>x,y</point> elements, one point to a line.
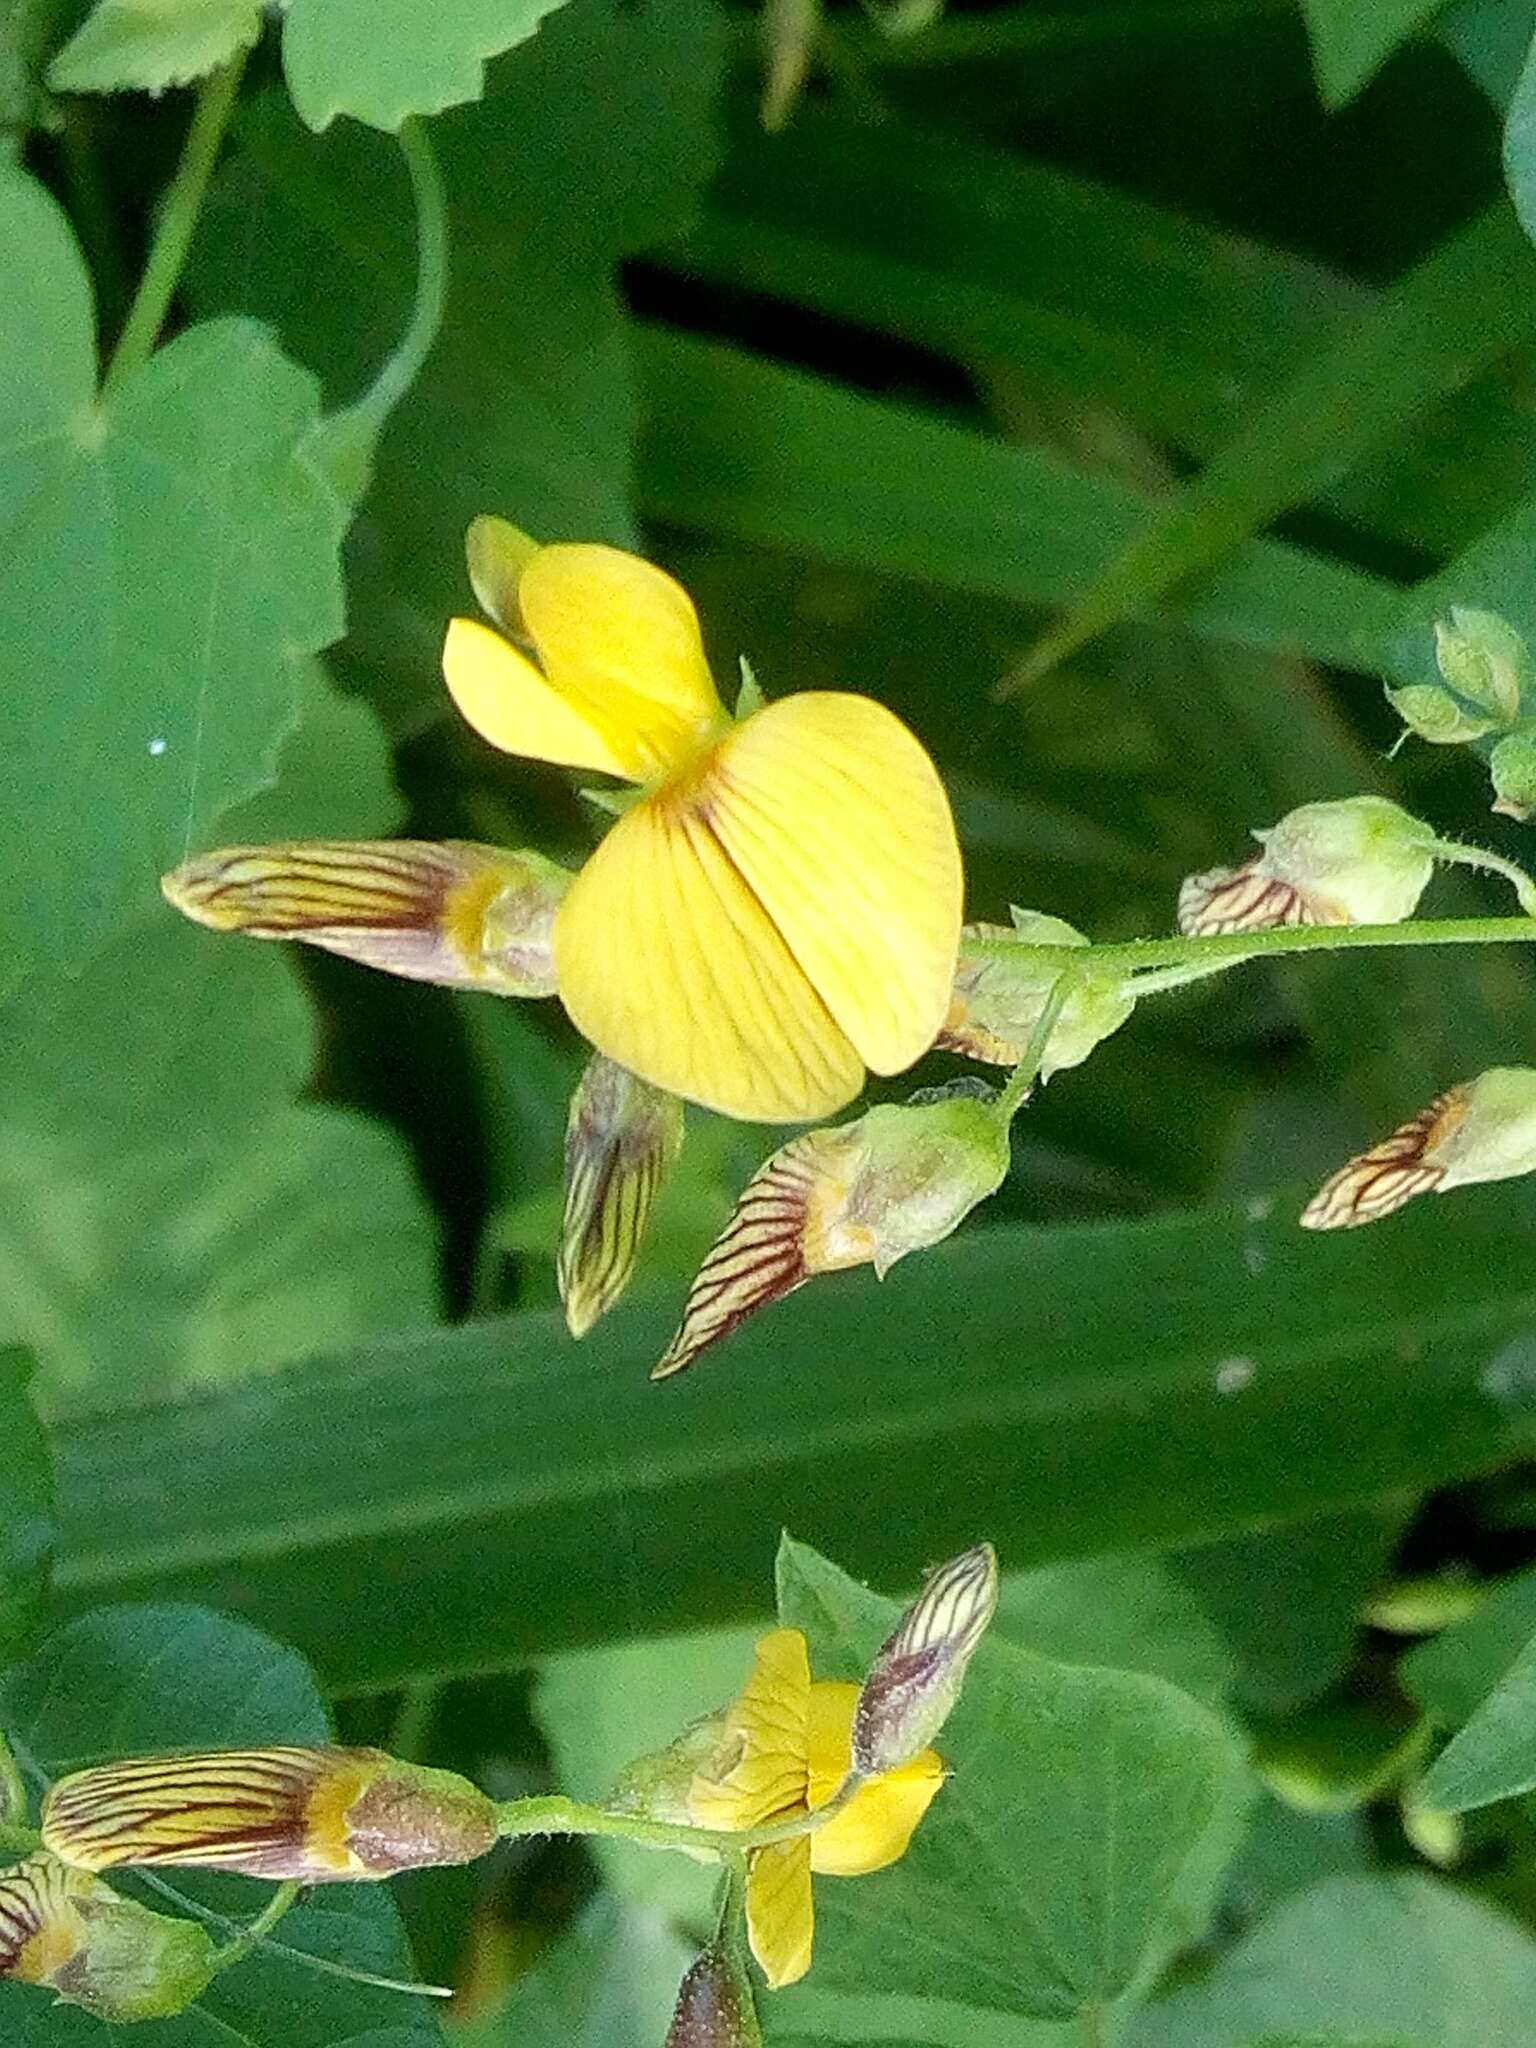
<point>1234,947</point>
<point>281,1900</point>
<point>1454,853</point>
<point>1090,2020</point>
<point>557,1815</point>
<point>1022,1079</point>
<point>178,221</point>
<point>1158,980</point>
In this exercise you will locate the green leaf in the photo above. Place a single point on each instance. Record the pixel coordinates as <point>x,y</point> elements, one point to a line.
<point>149,44</point>
<point>1075,1843</point>
<point>1451,316</point>
<point>611,1982</point>
<point>171,565</point>
<point>525,405</point>
<point>738,445</point>
<point>1451,1675</point>
<point>383,63</point>
<point>1132,1613</point>
<point>1520,144</point>
<point>1374,1958</point>
<point>1352,39</point>
<point>26,1505</point>
<point>129,1680</point>
<point>1489,38</point>
<point>482,1473</point>
<point>171,1215</point>
<point>1494,1755</point>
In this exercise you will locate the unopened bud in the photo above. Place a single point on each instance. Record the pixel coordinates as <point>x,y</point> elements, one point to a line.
<point>67,1930</point>
<point>1484,660</point>
<point>1435,715</point>
<point>916,1676</point>
<point>316,1815</point>
<point>897,1180</point>
<point>715,2007</point>
<point>1361,860</point>
<point>620,1139</point>
<point>1512,765</point>
<point>460,915</point>
<point>1481,1130</point>
<point>1002,984</point>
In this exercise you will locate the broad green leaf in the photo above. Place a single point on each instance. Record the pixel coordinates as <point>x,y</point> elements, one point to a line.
<point>384,60</point>
<point>1066,1392</point>
<point>1076,1841</point>
<point>150,44</point>
<point>1490,39</point>
<point>611,1982</point>
<point>1494,1755</point>
<point>741,446</point>
<point>128,1680</point>
<point>808,2015</point>
<point>590,145</point>
<point>1520,144</point>
<point>1451,1675</point>
<point>171,1215</point>
<point>1380,1959</point>
<point>1131,1613</point>
<point>1456,312</point>
<point>171,565</point>
<point>1493,573</point>
<point>26,1505</point>
<point>1352,39</point>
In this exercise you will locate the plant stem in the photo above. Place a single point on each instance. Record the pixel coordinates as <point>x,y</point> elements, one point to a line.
<point>178,220</point>
<point>557,1815</point>
<point>1455,853</point>
<point>1234,947</point>
<point>1090,2020</point>
<point>247,1939</point>
<point>1022,1079</point>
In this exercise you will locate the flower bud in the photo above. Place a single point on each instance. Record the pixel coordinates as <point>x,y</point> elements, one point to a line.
<point>316,1815</point>
<point>67,1930</point>
<point>917,1673</point>
<point>1435,715</point>
<point>898,1179</point>
<point>620,1138</point>
<point>1002,983</point>
<point>1484,660</point>
<point>715,2007</point>
<point>1361,860</point>
<point>461,915</point>
<point>1480,1130</point>
<point>1512,765</point>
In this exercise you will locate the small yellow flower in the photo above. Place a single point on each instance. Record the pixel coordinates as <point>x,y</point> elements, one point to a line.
<point>780,909</point>
<point>784,1749</point>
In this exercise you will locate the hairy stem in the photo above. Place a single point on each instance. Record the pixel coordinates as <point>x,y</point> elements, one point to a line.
<point>557,1815</point>
<point>1022,1079</point>
<point>177,224</point>
<point>1231,949</point>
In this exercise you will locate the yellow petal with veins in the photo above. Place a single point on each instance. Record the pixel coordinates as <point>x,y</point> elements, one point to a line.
<point>667,962</point>
<point>838,823</point>
<point>503,696</point>
<point>760,1771</point>
<point>781,1919</point>
<point>619,637</point>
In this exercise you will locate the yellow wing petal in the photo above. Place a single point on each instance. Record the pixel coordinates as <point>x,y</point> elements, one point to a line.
<point>837,821</point>
<point>503,696</point>
<point>760,1774</point>
<point>619,636</point>
<point>781,1918</point>
<point>668,964</point>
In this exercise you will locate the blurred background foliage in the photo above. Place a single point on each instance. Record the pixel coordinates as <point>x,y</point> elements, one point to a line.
<point>1199,333</point>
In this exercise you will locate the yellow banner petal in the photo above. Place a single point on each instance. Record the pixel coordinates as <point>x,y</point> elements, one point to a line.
<point>502,695</point>
<point>760,1772</point>
<point>668,964</point>
<point>837,821</point>
<point>620,637</point>
<point>781,1918</point>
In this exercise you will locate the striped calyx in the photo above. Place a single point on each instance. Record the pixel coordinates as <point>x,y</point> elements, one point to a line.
<point>715,2007</point>
<point>621,1136</point>
<point>1361,860</point>
<point>1480,1130</point>
<point>314,1815</point>
<point>898,1179</point>
<point>917,1674</point>
<point>69,1931</point>
<point>1003,980</point>
<point>454,913</point>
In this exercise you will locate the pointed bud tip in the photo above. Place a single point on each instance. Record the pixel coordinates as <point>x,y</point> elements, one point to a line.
<point>917,1674</point>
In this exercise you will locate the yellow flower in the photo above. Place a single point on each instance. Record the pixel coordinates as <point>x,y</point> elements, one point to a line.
<point>784,1750</point>
<point>780,909</point>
